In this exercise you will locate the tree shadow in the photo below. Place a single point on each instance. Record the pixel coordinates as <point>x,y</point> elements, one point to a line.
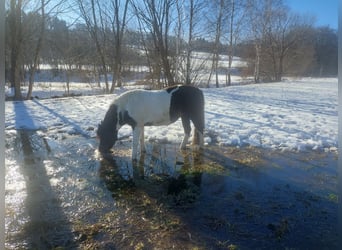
<point>78,129</point>
<point>47,226</point>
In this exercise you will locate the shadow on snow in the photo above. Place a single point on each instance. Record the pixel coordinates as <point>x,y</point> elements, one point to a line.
<point>47,227</point>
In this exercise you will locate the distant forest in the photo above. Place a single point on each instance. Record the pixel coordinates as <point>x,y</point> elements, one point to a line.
<point>112,37</point>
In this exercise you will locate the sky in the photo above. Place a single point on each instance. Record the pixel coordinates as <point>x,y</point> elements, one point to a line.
<point>325,11</point>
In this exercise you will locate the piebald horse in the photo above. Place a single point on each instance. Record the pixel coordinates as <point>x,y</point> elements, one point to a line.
<point>139,108</point>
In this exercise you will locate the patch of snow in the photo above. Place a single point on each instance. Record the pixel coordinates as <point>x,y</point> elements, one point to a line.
<point>296,114</point>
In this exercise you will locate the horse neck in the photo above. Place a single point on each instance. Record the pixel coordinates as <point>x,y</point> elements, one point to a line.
<point>111,117</point>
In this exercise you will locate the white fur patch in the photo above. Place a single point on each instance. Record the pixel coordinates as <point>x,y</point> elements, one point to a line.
<point>146,107</point>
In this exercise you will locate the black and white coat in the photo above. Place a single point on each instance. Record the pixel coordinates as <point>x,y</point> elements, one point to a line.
<point>140,108</point>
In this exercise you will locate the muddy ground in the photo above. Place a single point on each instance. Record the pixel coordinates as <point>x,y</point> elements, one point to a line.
<point>60,194</point>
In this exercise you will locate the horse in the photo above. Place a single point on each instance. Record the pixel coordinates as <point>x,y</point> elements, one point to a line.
<point>139,108</point>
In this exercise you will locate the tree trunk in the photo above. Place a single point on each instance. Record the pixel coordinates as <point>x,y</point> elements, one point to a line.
<point>216,71</point>
<point>178,41</point>
<point>117,81</point>
<point>230,47</point>
<point>68,71</point>
<point>167,71</point>
<point>37,52</point>
<point>31,81</point>
<point>280,68</point>
<point>16,41</point>
<point>156,16</point>
<point>93,30</point>
<point>211,71</point>
<point>118,28</point>
<point>257,64</point>
<point>189,47</point>
<point>217,42</point>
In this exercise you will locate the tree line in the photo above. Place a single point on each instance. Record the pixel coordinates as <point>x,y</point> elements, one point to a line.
<point>108,38</point>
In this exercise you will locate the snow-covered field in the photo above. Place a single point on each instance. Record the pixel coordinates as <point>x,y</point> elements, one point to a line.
<point>296,114</point>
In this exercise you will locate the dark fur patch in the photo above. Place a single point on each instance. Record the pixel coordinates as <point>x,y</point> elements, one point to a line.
<point>106,131</point>
<point>188,103</point>
<point>109,120</point>
<point>125,118</point>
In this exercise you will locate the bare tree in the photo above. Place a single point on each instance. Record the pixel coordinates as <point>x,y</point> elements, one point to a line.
<point>151,55</point>
<point>92,14</point>
<point>27,29</point>
<point>219,7</point>
<point>118,27</point>
<point>299,58</point>
<point>187,30</point>
<point>236,21</point>
<point>274,39</point>
<point>62,45</point>
<point>156,18</point>
<point>258,18</point>
<point>54,9</point>
<point>37,49</point>
<point>179,37</point>
<point>285,33</point>
<point>231,43</point>
<point>106,22</point>
<point>325,42</point>
<point>192,10</point>
<point>194,15</point>
<point>275,35</point>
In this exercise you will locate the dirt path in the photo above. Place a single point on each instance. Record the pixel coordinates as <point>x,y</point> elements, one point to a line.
<point>59,193</point>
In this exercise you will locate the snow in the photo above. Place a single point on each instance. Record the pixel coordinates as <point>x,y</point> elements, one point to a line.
<point>296,114</point>
<point>205,57</point>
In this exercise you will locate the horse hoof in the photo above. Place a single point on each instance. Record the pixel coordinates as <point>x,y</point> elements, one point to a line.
<point>107,156</point>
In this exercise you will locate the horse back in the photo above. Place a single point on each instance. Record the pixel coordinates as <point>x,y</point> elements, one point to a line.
<point>146,107</point>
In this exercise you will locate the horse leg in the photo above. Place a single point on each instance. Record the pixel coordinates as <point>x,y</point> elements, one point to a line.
<point>136,135</point>
<point>142,141</point>
<point>187,130</point>
<point>198,138</point>
<point>199,128</point>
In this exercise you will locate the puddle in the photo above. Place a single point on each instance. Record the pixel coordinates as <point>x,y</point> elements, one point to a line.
<point>59,193</point>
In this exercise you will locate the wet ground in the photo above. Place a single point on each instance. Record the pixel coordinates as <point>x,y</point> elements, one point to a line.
<point>60,194</point>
